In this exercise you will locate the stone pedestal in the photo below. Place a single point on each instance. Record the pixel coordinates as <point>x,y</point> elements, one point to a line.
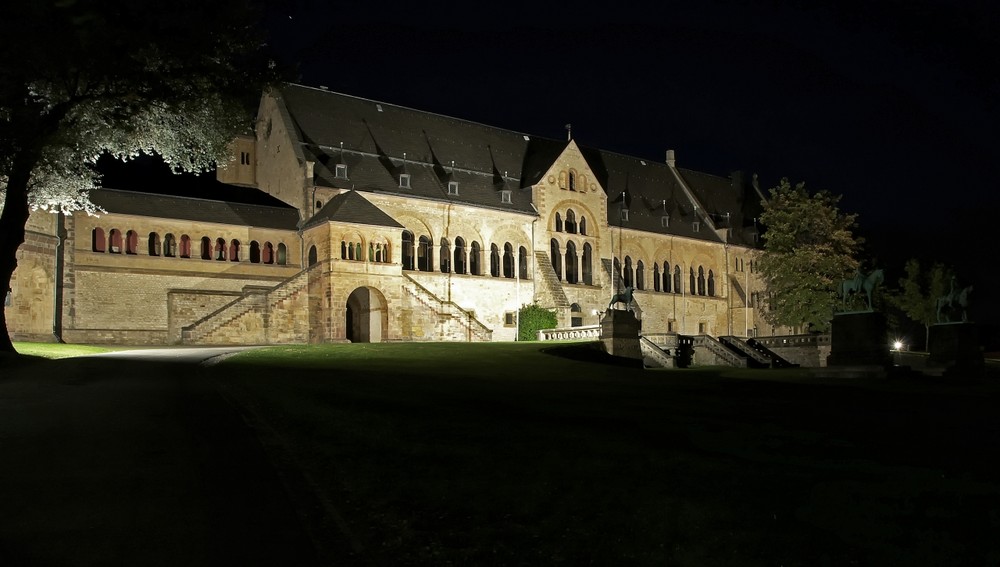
<point>859,339</point>
<point>954,349</point>
<point>620,334</point>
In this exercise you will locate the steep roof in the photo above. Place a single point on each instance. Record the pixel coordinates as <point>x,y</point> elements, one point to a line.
<point>352,207</point>
<point>193,209</point>
<point>378,142</point>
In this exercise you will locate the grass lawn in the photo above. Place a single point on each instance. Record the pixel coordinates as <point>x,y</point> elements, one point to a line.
<point>57,350</point>
<point>543,453</point>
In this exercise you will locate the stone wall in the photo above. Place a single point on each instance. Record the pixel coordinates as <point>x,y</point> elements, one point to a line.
<point>810,351</point>
<point>31,314</point>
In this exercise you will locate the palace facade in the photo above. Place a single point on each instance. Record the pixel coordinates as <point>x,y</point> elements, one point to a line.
<point>396,225</point>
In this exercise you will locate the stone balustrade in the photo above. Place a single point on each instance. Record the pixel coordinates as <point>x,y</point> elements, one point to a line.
<point>583,333</point>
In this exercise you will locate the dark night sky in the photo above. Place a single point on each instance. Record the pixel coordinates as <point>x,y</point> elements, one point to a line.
<point>891,104</point>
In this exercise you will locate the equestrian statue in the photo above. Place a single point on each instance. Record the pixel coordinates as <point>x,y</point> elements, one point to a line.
<point>861,283</point>
<point>953,301</point>
<point>623,297</point>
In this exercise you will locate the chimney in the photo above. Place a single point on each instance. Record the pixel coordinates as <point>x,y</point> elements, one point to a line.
<point>671,160</point>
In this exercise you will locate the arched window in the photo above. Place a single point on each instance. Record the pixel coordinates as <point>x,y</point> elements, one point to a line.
<point>666,277</point>
<point>220,249</point>
<point>206,248</point>
<point>254,252</point>
<point>115,241</point>
<point>571,275</point>
<point>459,261</point>
<point>627,276</point>
<point>617,267</point>
<point>131,242</point>
<point>711,284</point>
<point>572,181</point>
<point>378,252</point>
<point>97,237</point>
<point>408,250</point>
<point>371,251</point>
<point>556,257</point>
<point>576,315</point>
<point>701,281</point>
<point>475,266</point>
<point>692,282</point>
<point>562,179</point>
<point>234,250</point>
<point>153,243</point>
<point>267,253</point>
<point>169,245</point>
<point>357,251</point>
<point>571,221</point>
<point>656,277</point>
<point>185,251</point>
<point>313,255</point>
<point>425,261</point>
<point>677,280</point>
<point>586,261</point>
<point>640,276</point>
<point>445,256</point>
<point>282,254</point>
<point>508,260</point>
<point>522,262</point>
<point>494,261</point>
<point>352,253</point>
<point>559,225</point>
<point>583,225</point>
<point>386,253</point>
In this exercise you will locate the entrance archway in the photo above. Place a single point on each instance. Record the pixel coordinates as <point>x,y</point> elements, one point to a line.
<point>366,316</point>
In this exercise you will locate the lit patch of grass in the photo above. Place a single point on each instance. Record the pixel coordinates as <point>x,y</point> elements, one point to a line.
<point>481,360</point>
<point>56,350</point>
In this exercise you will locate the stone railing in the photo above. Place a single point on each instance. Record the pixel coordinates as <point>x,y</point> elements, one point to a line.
<point>654,355</point>
<point>722,353</point>
<point>737,343</point>
<point>583,333</point>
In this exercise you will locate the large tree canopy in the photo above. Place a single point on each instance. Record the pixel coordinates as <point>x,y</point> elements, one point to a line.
<point>809,248</point>
<point>83,78</point>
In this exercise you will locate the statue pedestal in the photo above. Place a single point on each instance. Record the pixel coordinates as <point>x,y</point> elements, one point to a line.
<point>620,334</point>
<point>954,350</point>
<point>859,339</point>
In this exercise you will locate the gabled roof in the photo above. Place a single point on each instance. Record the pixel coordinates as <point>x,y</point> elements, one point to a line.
<point>352,207</point>
<point>193,209</point>
<point>378,142</point>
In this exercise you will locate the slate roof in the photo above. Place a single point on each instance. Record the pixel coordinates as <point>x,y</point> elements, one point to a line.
<point>193,209</point>
<point>378,141</point>
<point>382,141</point>
<point>352,207</point>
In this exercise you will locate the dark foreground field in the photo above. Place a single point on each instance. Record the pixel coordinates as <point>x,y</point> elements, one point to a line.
<point>496,454</point>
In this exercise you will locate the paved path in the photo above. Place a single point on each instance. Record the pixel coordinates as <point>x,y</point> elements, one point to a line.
<point>194,355</point>
<point>115,460</point>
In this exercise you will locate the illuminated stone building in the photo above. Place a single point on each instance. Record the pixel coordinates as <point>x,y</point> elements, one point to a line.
<point>399,225</point>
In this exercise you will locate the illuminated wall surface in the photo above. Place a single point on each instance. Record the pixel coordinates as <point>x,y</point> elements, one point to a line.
<point>398,225</point>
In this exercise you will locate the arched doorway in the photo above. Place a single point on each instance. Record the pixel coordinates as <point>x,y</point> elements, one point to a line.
<point>366,316</point>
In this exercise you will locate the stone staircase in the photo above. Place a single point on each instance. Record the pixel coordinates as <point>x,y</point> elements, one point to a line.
<point>755,358</point>
<point>654,355</point>
<point>222,325</point>
<point>550,293</point>
<point>708,347</point>
<point>456,322</point>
